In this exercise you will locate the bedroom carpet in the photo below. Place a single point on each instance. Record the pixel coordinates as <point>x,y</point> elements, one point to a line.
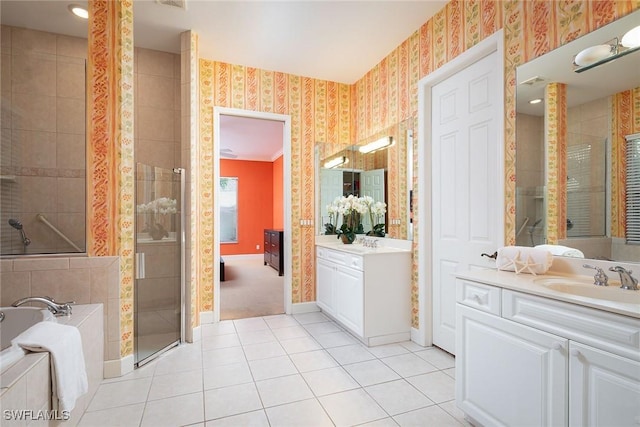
<point>251,289</point>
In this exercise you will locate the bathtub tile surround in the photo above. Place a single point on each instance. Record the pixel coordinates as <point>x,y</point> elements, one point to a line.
<point>274,382</point>
<point>85,280</point>
<point>26,385</point>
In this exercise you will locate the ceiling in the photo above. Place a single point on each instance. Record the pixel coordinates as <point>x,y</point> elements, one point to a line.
<point>329,40</point>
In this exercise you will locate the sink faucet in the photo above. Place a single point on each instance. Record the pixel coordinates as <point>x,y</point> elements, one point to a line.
<point>600,278</point>
<point>627,281</point>
<point>63,309</point>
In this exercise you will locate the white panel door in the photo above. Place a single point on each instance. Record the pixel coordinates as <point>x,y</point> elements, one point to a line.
<point>508,374</point>
<point>325,280</point>
<point>466,216</point>
<point>331,186</point>
<point>349,288</point>
<point>372,184</point>
<point>604,389</point>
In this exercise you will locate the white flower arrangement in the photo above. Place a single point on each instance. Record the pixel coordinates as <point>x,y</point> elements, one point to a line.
<point>352,208</point>
<point>161,206</point>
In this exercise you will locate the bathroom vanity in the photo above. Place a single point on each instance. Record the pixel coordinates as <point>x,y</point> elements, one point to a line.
<point>366,290</point>
<point>546,350</point>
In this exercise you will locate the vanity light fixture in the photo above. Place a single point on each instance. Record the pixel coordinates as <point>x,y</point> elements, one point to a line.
<point>79,11</point>
<point>338,161</point>
<point>381,143</point>
<point>535,101</point>
<point>631,39</point>
<point>603,53</point>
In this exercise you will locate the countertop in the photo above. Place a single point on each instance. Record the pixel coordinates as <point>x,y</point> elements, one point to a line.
<point>582,291</point>
<point>359,249</point>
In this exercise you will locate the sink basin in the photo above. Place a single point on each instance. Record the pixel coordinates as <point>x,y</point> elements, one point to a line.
<point>577,287</point>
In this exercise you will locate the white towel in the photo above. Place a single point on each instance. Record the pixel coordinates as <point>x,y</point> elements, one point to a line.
<point>560,250</point>
<point>68,373</point>
<point>523,259</point>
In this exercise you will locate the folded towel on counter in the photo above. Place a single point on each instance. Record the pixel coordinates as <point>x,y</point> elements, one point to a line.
<point>68,373</point>
<point>523,259</point>
<point>560,250</point>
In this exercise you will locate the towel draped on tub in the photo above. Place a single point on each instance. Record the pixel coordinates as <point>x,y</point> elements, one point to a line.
<point>68,373</point>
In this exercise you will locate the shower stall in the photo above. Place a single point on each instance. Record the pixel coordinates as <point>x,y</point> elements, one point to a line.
<point>159,285</point>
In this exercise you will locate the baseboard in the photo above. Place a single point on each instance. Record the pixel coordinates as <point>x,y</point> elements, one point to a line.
<point>245,256</point>
<point>304,307</point>
<point>118,367</point>
<point>196,335</point>
<point>418,337</point>
<point>206,317</point>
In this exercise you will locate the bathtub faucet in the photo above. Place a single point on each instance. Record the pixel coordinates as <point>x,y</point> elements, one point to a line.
<point>63,309</point>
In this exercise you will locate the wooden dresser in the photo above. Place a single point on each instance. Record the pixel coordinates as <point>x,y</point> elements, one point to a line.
<point>274,250</point>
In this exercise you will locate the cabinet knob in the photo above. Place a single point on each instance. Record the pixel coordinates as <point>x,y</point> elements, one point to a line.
<point>575,352</point>
<point>557,346</point>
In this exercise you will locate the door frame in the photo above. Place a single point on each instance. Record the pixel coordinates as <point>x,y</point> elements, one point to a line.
<point>286,148</point>
<point>423,335</point>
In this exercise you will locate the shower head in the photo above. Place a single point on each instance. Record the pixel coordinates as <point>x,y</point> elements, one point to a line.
<point>18,226</point>
<point>15,224</point>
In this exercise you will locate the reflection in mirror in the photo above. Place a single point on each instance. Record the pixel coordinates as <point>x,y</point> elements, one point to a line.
<point>599,113</point>
<point>42,167</point>
<point>380,174</point>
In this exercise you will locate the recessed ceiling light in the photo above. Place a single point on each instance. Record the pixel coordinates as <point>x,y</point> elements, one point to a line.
<point>535,101</point>
<point>79,11</point>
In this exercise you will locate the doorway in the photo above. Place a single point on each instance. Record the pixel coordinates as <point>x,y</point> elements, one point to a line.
<point>483,196</point>
<point>245,285</point>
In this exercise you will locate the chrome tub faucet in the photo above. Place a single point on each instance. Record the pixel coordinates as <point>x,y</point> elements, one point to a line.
<point>627,281</point>
<point>63,309</point>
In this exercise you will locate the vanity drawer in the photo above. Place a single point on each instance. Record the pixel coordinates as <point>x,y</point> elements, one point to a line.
<point>479,296</point>
<point>610,332</point>
<point>340,258</point>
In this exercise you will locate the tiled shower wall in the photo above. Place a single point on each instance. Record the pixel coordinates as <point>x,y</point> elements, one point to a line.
<point>43,139</point>
<point>157,108</point>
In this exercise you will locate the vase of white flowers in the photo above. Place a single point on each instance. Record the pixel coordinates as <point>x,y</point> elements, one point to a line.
<point>155,216</point>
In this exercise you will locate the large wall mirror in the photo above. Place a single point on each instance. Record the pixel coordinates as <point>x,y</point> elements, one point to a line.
<point>42,166</point>
<point>594,140</point>
<point>381,174</point>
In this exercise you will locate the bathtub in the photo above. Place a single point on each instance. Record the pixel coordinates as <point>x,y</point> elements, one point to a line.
<point>17,320</point>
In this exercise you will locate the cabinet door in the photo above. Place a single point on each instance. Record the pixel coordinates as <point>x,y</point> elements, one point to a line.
<point>604,389</point>
<point>509,374</point>
<point>349,289</point>
<point>324,285</point>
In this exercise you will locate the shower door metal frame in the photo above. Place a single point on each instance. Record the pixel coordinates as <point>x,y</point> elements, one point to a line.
<point>181,237</point>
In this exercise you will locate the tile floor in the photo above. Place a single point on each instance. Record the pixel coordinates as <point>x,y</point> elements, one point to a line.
<point>301,370</point>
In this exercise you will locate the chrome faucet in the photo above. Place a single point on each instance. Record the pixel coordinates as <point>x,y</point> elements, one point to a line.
<point>1,316</point>
<point>63,309</point>
<point>600,278</point>
<point>627,281</point>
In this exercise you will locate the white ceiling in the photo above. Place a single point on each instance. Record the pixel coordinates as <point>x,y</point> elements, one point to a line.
<point>330,40</point>
<point>250,138</point>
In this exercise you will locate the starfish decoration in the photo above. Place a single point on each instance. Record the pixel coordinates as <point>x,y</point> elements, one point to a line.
<point>525,265</point>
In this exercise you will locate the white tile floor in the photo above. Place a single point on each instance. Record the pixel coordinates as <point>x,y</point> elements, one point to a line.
<point>301,370</point>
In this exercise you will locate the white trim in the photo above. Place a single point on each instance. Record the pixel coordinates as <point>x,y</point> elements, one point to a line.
<point>118,367</point>
<point>286,145</point>
<point>196,335</point>
<point>424,334</point>
<point>207,317</point>
<point>304,307</point>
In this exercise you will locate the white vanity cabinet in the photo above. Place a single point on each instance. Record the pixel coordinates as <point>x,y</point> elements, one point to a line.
<point>368,293</point>
<point>529,360</point>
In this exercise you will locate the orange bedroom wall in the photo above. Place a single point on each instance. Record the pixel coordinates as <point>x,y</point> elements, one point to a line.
<point>278,201</point>
<point>255,203</point>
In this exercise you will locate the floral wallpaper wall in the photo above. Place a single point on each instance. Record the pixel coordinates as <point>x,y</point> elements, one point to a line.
<point>333,113</point>
<point>556,142</point>
<point>320,112</point>
<point>110,174</point>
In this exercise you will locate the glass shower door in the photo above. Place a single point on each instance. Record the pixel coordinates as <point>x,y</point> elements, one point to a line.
<point>158,292</point>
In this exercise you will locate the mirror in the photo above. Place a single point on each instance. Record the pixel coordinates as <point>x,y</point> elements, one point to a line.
<point>596,125</point>
<point>381,174</point>
<point>42,167</point>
